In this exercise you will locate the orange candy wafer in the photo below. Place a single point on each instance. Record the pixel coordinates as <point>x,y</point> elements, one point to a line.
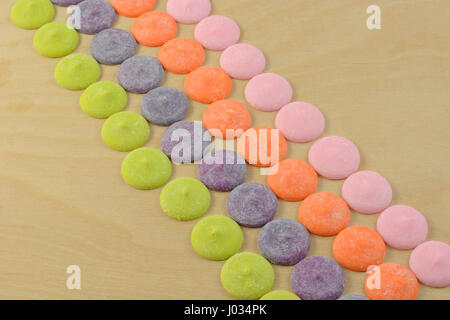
<point>181,55</point>
<point>154,28</point>
<point>324,214</point>
<point>226,115</point>
<point>207,84</point>
<point>358,247</point>
<point>391,281</point>
<point>294,181</point>
<point>255,146</point>
<point>133,8</point>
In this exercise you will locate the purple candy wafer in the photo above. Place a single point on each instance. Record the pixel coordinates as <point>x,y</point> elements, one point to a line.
<point>317,278</point>
<point>113,46</point>
<point>284,242</point>
<point>164,106</point>
<point>66,3</point>
<point>95,16</point>
<point>222,170</point>
<point>140,74</point>
<point>183,142</point>
<point>252,204</point>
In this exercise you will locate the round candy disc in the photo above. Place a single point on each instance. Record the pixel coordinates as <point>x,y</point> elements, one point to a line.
<point>252,204</point>
<point>207,84</point>
<point>66,3</point>
<point>125,131</point>
<point>164,106</point>
<point>324,214</point>
<point>217,32</point>
<point>181,55</point>
<point>292,180</point>
<point>95,16</point>
<point>391,281</point>
<point>367,192</point>
<point>113,46</point>
<point>186,141</point>
<point>146,168</point>
<point>280,295</point>
<point>153,29</point>
<point>402,227</point>
<point>226,119</point>
<point>300,122</point>
<point>102,99</point>
<point>140,74</point>
<point>353,297</point>
<point>242,61</point>
<point>55,39</point>
<point>77,71</point>
<point>284,242</point>
<point>358,247</point>
<point>185,199</point>
<point>188,11</point>
<point>222,170</point>
<point>334,157</point>
<point>247,276</point>
<point>256,147</point>
<point>133,8</point>
<point>430,262</point>
<point>216,237</point>
<point>318,278</point>
<point>32,14</point>
<point>268,92</point>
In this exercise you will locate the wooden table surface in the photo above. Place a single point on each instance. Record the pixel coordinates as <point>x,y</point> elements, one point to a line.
<point>62,198</point>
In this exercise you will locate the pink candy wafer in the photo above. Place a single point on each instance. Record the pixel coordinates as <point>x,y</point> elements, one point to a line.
<point>430,262</point>
<point>217,32</point>
<point>334,157</point>
<point>268,92</point>
<point>188,11</point>
<point>367,192</point>
<point>242,61</point>
<point>402,227</point>
<point>300,122</point>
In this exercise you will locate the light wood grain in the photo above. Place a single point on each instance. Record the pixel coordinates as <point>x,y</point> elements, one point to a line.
<point>62,199</point>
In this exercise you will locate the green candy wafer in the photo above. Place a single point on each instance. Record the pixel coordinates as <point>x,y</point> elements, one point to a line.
<point>185,199</point>
<point>125,131</point>
<point>103,99</point>
<point>146,168</point>
<point>216,237</point>
<point>77,71</point>
<point>280,295</point>
<point>247,276</point>
<point>32,14</point>
<point>55,39</point>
